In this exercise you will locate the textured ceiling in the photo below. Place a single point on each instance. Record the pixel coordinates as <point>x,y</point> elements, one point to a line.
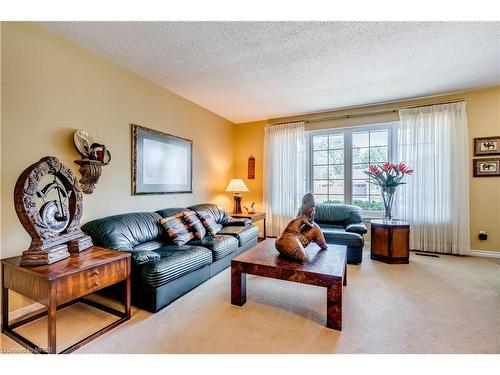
<point>247,71</point>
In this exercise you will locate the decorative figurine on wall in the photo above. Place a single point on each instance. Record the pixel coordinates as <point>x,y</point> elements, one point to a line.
<point>94,156</point>
<point>50,214</point>
<point>300,232</point>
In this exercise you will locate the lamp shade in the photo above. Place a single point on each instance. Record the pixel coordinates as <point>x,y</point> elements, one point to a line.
<point>236,185</point>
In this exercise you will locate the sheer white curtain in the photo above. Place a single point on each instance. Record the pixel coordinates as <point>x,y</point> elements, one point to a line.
<point>433,142</point>
<point>285,173</point>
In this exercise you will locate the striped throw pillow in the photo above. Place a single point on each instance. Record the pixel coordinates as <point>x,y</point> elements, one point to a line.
<point>194,224</point>
<point>208,222</point>
<point>176,229</point>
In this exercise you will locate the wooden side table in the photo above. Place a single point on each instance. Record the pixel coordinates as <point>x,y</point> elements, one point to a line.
<point>390,241</point>
<point>254,217</point>
<point>61,284</point>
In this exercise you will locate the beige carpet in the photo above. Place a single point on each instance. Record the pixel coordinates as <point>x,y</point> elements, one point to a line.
<point>433,305</point>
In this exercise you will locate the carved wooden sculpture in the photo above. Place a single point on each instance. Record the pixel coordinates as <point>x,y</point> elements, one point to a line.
<point>300,232</point>
<point>57,222</point>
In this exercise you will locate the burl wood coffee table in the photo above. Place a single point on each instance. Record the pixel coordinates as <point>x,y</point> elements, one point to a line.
<point>326,268</point>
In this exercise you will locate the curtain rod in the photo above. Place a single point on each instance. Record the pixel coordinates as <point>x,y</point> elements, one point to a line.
<point>367,113</point>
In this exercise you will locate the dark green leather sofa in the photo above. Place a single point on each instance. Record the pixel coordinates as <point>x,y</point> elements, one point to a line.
<point>161,270</point>
<point>342,224</point>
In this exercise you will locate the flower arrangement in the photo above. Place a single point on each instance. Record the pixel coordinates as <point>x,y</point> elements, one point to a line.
<point>388,177</point>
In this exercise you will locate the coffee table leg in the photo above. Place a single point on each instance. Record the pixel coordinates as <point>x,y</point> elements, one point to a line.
<point>238,287</point>
<point>334,306</point>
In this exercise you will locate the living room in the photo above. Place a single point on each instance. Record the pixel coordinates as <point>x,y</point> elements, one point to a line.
<point>173,163</point>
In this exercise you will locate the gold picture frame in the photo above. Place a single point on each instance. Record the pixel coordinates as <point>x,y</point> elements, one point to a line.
<point>486,167</point>
<point>486,146</point>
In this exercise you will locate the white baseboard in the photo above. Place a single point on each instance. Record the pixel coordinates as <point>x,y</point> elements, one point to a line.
<point>474,253</point>
<point>484,253</point>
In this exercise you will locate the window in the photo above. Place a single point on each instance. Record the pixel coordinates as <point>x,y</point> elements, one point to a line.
<point>328,167</point>
<point>338,158</point>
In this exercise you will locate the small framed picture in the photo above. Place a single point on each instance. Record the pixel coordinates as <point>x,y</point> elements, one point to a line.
<point>486,167</point>
<point>487,146</point>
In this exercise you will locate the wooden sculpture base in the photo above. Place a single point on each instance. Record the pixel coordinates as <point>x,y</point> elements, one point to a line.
<point>80,244</point>
<point>43,257</point>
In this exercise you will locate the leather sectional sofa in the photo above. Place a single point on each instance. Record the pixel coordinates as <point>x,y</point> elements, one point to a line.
<point>161,270</point>
<point>342,224</point>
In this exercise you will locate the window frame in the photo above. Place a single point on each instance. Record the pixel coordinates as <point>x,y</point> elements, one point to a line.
<point>391,126</point>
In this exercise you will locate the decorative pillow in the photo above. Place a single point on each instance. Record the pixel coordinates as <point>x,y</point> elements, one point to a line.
<point>176,229</point>
<point>194,224</point>
<point>208,221</point>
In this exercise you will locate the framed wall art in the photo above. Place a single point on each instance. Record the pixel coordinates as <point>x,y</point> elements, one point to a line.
<point>486,167</point>
<point>487,146</point>
<point>161,163</point>
<point>251,167</point>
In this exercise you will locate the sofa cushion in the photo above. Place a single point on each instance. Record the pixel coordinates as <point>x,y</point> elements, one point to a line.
<point>331,226</point>
<point>177,229</point>
<point>342,214</point>
<point>217,213</point>
<point>150,245</point>
<point>209,223</point>
<point>124,231</point>
<point>166,212</point>
<point>243,234</point>
<point>175,261</point>
<point>220,245</point>
<point>194,224</point>
<point>341,237</point>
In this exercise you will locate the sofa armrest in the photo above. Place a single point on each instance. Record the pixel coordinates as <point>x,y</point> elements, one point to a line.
<point>237,222</point>
<point>359,228</point>
<point>143,256</point>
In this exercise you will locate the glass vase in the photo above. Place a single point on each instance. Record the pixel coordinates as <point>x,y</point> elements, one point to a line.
<point>388,199</point>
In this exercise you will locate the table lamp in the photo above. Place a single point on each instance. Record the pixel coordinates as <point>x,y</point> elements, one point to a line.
<point>237,186</point>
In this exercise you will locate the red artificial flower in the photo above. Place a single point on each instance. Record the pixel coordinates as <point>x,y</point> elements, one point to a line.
<point>374,169</point>
<point>387,167</point>
<point>401,168</point>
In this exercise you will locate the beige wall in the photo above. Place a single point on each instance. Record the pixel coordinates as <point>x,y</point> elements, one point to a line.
<point>248,141</point>
<point>483,114</point>
<point>51,87</point>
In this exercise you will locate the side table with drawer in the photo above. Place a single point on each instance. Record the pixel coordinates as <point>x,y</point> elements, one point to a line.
<point>61,284</point>
<point>255,216</point>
